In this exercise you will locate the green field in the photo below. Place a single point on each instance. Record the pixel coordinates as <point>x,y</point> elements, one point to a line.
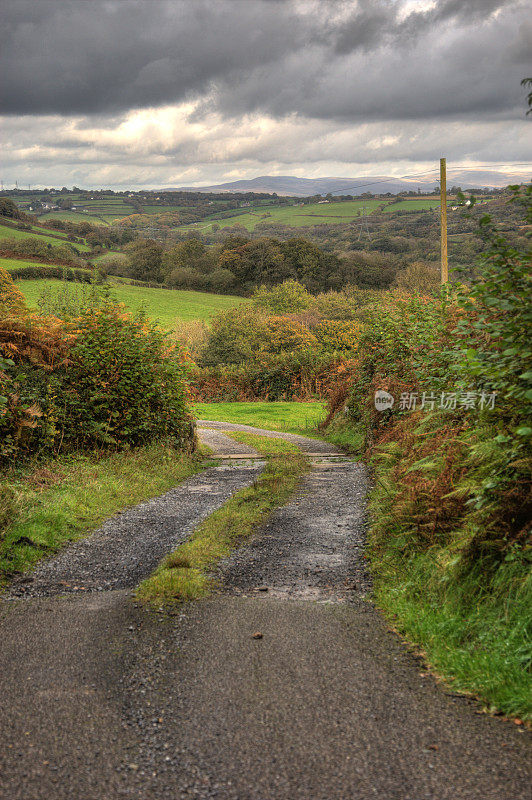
<point>165,305</point>
<point>108,255</point>
<point>75,216</point>
<point>298,215</point>
<point>12,233</point>
<point>36,228</point>
<point>48,232</point>
<point>14,263</point>
<point>421,204</point>
<point>163,209</point>
<point>106,206</point>
<point>295,215</point>
<point>277,416</point>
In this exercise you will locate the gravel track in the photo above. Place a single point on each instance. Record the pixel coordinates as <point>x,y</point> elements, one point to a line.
<point>104,700</point>
<point>313,547</point>
<point>306,444</point>
<point>128,546</point>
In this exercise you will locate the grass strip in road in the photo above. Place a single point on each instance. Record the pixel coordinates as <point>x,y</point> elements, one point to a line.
<point>186,574</point>
<point>45,506</point>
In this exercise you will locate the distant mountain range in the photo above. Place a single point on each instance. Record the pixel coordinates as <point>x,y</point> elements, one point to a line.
<point>288,185</point>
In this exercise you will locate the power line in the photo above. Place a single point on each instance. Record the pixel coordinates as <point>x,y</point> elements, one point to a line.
<point>385,180</point>
<point>422,174</point>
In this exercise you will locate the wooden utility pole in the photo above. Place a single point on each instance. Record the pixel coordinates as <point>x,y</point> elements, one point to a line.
<point>443,218</point>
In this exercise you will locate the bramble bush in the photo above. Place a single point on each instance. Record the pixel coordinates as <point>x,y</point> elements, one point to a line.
<point>102,378</point>
<point>125,384</point>
<point>289,376</point>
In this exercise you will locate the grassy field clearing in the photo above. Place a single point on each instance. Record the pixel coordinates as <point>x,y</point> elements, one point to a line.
<point>36,228</point>
<point>48,232</point>
<point>278,416</point>
<point>296,215</point>
<point>164,305</point>
<point>315,213</point>
<point>75,216</point>
<point>423,204</point>
<point>12,233</point>
<point>15,263</point>
<point>109,255</point>
<point>106,205</point>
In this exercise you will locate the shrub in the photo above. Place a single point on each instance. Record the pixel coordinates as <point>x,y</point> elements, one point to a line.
<point>192,335</point>
<point>11,297</point>
<point>449,538</point>
<point>418,278</point>
<point>8,208</point>
<point>220,280</point>
<point>287,376</point>
<point>114,264</point>
<point>48,271</point>
<point>125,384</point>
<point>462,473</point>
<point>234,338</point>
<point>186,278</point>
<point>288,296</point>
<point>282,334</point>
<point>34,248</point>
<point>102,379</point>
<point>334,335</point>
<point>145,259</point>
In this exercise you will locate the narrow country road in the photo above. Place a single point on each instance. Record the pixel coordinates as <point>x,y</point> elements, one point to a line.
<point>103,700</point>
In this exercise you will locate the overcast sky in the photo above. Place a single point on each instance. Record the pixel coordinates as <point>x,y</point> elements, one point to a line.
<point>151,93</point>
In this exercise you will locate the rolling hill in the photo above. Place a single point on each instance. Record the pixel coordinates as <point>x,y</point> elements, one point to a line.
<point>289,185</point>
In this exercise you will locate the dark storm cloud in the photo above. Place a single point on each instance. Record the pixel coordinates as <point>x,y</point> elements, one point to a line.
<point>329,60</point>
<point>88,56</point>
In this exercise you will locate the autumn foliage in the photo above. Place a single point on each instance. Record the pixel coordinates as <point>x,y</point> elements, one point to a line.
<point>102,379</point>
<point>285,345</point>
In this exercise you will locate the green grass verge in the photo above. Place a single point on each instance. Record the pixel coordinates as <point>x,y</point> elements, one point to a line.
<point>45,506</point>
<point>472,623</point>
<point>186,574</point>
<point>276,416</point>
<point>475,633</point>
<point>165,305</point>
<point>344,435</point>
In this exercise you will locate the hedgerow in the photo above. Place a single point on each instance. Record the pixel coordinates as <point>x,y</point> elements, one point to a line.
<point>450,530</point>
<point>40,271</point>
